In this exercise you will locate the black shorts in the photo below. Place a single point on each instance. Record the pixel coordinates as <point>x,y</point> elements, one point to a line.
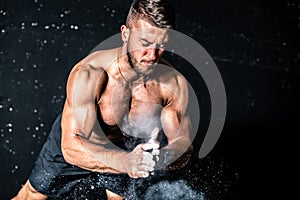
<point>54,177</point>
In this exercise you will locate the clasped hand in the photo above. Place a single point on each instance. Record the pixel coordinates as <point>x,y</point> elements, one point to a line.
<point>142,160</point>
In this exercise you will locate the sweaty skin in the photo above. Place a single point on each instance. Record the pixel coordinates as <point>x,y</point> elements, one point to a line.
<point>109,86</point>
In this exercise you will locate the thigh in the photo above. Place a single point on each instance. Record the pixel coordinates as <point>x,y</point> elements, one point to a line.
<point>51,174</point>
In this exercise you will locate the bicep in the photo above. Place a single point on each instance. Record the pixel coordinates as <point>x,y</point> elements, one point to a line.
<point>82,92</point>
<point>82,96</point>
<point>176,125</point>
<point>174,118</point>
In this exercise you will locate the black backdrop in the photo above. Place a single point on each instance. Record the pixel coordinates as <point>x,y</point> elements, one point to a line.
<point>253,43</point>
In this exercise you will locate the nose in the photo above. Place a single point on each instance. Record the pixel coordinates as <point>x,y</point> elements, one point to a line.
<point>152,53</point>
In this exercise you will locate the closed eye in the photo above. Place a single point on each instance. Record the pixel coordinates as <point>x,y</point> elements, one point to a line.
<point>145,43</point>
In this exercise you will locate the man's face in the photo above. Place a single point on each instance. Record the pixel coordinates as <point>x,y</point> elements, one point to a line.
<point>146,44</point>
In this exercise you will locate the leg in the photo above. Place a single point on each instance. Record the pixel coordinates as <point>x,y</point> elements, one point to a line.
<point>113,196</point>
<point>27,192</point>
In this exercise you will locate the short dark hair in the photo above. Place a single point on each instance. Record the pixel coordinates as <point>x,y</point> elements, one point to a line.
<point>157,12</point>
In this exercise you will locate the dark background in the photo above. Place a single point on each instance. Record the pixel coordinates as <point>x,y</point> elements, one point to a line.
<point>255,45</point>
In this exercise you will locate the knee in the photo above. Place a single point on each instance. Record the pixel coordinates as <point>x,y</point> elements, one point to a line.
<point>27,192</point>
<point>113,196</point>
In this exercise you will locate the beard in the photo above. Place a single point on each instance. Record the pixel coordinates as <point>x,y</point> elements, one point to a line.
<point>138,67</point>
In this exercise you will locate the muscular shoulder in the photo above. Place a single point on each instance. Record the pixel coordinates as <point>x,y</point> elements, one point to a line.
<point>100,59</point>
<point>83,74</point>
<point>89,76</point>
<point>173,84</point>
<point>92,67</point>
<point>169,77</point>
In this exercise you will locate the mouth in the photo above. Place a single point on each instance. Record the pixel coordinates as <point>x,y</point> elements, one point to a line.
<point>149,63</point>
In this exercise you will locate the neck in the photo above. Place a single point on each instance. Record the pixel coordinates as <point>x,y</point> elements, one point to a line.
<point>124,67</point>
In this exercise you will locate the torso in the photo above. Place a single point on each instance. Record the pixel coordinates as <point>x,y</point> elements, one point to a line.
<point>136,110</point>
<point>133,109</point>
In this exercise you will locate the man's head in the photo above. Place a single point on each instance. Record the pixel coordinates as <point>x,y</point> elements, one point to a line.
<point>156,12</point>
<point>146,33</point>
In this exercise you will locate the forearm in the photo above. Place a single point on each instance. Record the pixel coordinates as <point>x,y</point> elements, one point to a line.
<point>93,157</point>
<point>175,155</point>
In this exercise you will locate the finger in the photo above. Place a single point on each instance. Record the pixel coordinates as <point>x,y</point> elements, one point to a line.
<point>148,146</point>
<point>148,161</point>
<point>145,168</point>
<point>154,138</point>
<point>133,175</point>
<point>139,148</point>
<point>154,134</point>
<point>156,145</point>
<point>149,167</point>
<point>143,174</point>
<point>155,152</point>
<point>147,156</point>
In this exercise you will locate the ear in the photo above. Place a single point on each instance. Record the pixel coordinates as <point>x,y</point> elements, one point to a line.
<point>124,33</point>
